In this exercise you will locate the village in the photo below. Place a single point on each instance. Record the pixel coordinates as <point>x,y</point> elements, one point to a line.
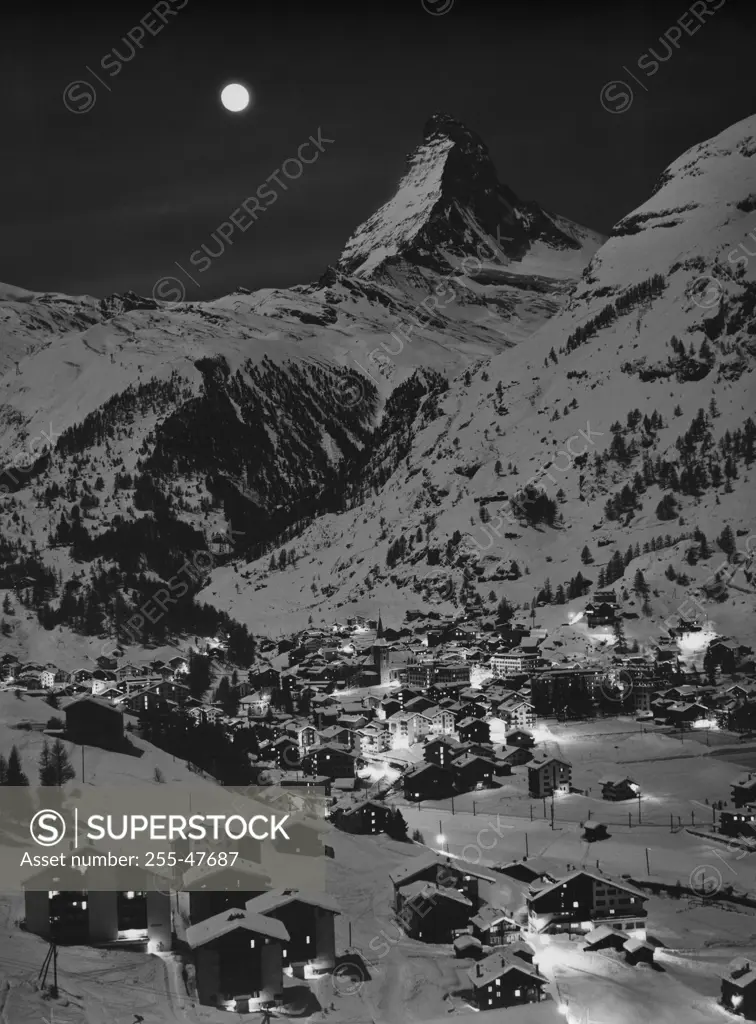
<point>419,738</point>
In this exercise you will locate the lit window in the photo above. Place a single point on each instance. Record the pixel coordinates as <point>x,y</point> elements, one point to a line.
<point>307,939</point>
<point>251,943</point>
<point>84,905</point>
<point>518,992</point>
<point>130,895</point>
<point>285,954</point>
<point>576,904</point>
<point>53,892</point>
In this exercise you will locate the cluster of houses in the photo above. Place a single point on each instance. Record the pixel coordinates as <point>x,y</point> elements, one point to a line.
<point>488,917</point>
<point>239,945</point>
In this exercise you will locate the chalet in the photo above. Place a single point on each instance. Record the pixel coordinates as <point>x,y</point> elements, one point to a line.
<point>738,823</point>
<point>476,884</point>
<point>238,959</point>
<point>95,722</point>
<point>681,714</point>
<point>373,739</point>
<point>516,713</point>
<point>431,913</point>
<point>333,762</point>
<point>130,671</point>
<point>335,734</point>
<point>467,947</point>
<point>284,752</point>
<point>520,738</point>
<point>428,782</point>
<point>469,709</point>
<point>304,735</point>
<point>530,870</point>
<point>366,818</point>
<point>473,772</point>
<point>638,952</point>
<point>581,901</point>
<point>473,730</point>
<point>514,757</point>
<point>442,722</point>
<point>494,927</point>
<point>210,890</point>
<point>546,778</point>
<point>309,919</point>
<point>601,613</point>
<point>47,676</point>
<point>743,790</point>
<point>441,751</point>
<point>502,980</point>
<point>739,988</point>
<point>604,937</point>
<point>254,704</point>
<point>72,906</point>
<point>619,788</point>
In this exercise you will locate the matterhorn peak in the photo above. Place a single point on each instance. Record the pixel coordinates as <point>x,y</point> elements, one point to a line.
<point>450,205</point>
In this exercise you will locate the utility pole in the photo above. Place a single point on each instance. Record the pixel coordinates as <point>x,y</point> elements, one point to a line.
<point>648,864</point>
<point>639,808</point>
<point>527,849</point>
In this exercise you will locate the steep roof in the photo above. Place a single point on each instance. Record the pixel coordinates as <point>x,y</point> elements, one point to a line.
<point>229,921</point>
<point>270,901</point>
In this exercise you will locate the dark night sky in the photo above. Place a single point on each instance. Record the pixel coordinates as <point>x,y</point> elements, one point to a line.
<point>108,200</point>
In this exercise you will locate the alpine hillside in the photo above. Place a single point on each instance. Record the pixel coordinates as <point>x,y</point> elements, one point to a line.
<point>615,449</point>
<point>134,432</point>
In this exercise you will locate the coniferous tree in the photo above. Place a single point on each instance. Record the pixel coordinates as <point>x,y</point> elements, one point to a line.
<point>396,826</point>
<point>55,767</point>
<point>585,556</point>
<point>639,584</point>
<point>619,632</point>
<point>726,540</point>
<point>15,775</point>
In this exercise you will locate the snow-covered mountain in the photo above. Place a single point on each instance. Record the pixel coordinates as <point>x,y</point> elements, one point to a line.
<point>319,420</point>
<point>128,423</point>
<point>450,205</point>
<point>631,410</point>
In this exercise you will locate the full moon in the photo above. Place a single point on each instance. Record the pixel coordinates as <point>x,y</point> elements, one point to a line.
<point>235,97</point>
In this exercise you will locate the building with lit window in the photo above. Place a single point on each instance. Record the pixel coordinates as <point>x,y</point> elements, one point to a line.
<point>65,909</point>
<point>503,980</point>
<point>309,919</point>
<point>581,901</point>
<point>546,778</point>
<point>238,960</point>
<point>515,663</point>
<point>739,988</point>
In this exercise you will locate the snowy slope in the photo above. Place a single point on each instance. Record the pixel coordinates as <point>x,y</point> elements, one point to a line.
<point>520,410</point>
